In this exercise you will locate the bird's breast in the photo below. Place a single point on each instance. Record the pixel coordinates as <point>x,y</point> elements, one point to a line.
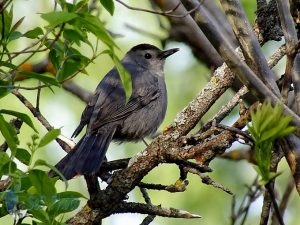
<point>143,122</point>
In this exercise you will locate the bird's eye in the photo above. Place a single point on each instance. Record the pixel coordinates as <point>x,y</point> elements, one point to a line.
<point>148,56</point>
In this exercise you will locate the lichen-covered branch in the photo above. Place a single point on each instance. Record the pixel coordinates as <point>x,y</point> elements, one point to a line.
<point>249,44</point>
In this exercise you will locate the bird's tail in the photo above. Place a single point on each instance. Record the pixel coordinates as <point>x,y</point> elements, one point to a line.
<point>86,157</point>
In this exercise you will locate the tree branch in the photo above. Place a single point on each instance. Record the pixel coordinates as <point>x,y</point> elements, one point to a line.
<point>132,207</point>
<point>248,43</point>
<point>245,74</point>
<point>291,40</point>
<point>41,118</point>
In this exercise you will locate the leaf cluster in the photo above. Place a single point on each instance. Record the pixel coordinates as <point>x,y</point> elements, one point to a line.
<point>31,191</point>
<point>268,124</point>
<point>67,29</point>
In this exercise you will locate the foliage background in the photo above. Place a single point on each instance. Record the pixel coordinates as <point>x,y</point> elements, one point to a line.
<point>185,76</point>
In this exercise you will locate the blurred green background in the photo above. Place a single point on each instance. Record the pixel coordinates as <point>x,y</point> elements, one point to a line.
<point>185,77</point>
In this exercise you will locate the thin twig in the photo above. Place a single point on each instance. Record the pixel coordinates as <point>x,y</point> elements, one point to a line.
<point>296,82</point>
<point>254,191</point>
<point>284,201</point>
<point>25,88</point>
<point>149,218</point>
<point>207,180</point>
<point>32,45</point>
<point>186,163</point>
<point>226,109</point>
<point>7,3</point>
<point>235,130</point>
<point>26,51</point>
<point>145,195</point>
<point>267,203</point>
<point>166,13</point>
<point>41,118</point>
<point>278,55</point>
<point>132,207</point>
<point>170,188</point>
<point>269,187</point>
<point>38,97</point>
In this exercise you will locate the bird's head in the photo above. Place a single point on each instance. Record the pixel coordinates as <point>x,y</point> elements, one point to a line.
<point>149,57</point>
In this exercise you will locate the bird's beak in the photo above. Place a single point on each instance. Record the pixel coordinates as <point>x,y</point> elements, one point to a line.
<point>167,53</point>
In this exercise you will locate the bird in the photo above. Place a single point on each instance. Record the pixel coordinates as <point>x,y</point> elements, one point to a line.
<point>109,117</point>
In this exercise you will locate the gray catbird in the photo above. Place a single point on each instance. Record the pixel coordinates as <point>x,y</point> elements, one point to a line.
<point>108,117</point>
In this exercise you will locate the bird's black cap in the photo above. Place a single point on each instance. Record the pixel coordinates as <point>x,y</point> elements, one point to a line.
<point>144,47</point>
<point>163,53</point>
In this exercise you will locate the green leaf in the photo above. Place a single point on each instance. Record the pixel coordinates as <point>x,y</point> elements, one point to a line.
<point>17,24</point>
<point>94,25</point>
<point>82,7</point>
<point>257,170</point>
<point>15,35</point>
<point>46,79</point>
<point>7,64</point>
<point>23,155</point>
<point>71,65</point>
<point>25,182</point>
<point>4,158</point>
<point>25,118</point>
<point>67,202</point>
<point>271,176</point>
<point>3,211</point>
<point>59,46</point>
<point>124,74</point>
<point>54,58</point>
<point>63,206</point>
<point>125,77</point>
<point>276,131</point>
<point>9,168</point>
<point>56,18</point>
<point>254,119</point>
<point>50,136</point>
<point>62,3</point>
<point>40,215</point>
<point>74,35</point>
<point>284,123</point>
<point>9,133</point>
<point>108,5</point>
<point>41,162</point>
<point>43,184</point>
<point>32,34</point>
<point>268,124</point>
<point>4,87</point>
<point>287,131</point>
<point>70,194</point>
<point>7,22</point>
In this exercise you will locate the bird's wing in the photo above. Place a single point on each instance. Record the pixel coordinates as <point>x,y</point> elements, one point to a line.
<point>135,103</point>
<point>108,97</point>
<point>145,89</point>
<point>109,102</point>
<point>86,115</point>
